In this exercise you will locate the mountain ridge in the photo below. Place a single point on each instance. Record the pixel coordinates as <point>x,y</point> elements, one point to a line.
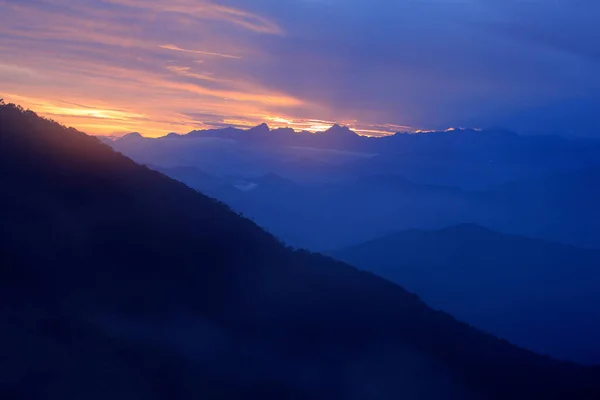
<point>536,293</point>
<point>335,129</point>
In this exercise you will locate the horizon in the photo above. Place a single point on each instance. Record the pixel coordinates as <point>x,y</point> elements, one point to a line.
<point>358,132</point>
<point>162,66</point>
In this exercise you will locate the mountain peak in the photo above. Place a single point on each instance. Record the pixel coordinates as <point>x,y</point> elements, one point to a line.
<point>132,136</point>
<point>339,130</point>
<point>284,131</point>
<point>260,129</point>
<point>337,127</point>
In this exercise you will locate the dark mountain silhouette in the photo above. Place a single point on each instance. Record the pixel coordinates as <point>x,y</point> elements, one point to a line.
<point>537,294</point>
<point>338,133</point>
<point>260,130</point>
<point>118,282</point>
<point>341,131</point>
<point>286,132</point>
<point>467,158</point>
<point>131,136</point>
<point>226,133</point>
<point>173,135</point>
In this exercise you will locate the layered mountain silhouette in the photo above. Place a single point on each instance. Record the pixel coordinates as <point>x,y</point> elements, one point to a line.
<point>330,216</point>
<point>118,282</point>
<point>537,294</point>
<point>336,136</point>
<point>466,158</point>
<point>559,206</point>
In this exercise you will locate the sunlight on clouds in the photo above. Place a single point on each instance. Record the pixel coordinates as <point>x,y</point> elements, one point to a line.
<point>93,113</point>
<point>271,99</point>
<point>14,71</point>
<point>187,71</point>
<point>204,10</point>
<point>248,20</point>
<point>78,115</point>
<point>120,71</point>
<point>379,130</point>
<point>60,108</point>
<point>310,125</point>
<point>100,63</point>
<point>204,53</point>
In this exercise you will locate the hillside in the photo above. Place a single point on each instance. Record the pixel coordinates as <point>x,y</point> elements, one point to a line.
<point>537,294</point>
<point>118,282</point>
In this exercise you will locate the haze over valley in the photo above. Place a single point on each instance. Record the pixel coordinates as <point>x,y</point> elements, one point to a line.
<point>535,186</point>
<point>299,200</point>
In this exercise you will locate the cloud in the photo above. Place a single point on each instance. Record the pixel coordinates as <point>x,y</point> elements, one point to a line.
<point>204,53</point>
<point>205,10</point>
<point>375,65</point>
<point>561,25</point>
<point>15,72</point>
<point>187,71</point>
<point>111,58</point>
<point>433,64</point>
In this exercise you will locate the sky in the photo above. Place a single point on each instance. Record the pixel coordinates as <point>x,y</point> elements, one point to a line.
<point>378,66</point>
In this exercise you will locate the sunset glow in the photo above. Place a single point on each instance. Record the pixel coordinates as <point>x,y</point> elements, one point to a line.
<point>154,67</point>
<point>160,66</point>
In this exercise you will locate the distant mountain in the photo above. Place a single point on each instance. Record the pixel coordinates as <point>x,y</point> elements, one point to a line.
<point>225,133</point>
<point>174,135</point>
<point>536,294</point>
<point>466,158</point>
<point>118,282</point>
<point>193,177</point>
<point>260,130</point>
<point>561,206</point>
<point>334,137</point>
<point>327,216</point>
<point>107,139</point>
<point>131,136</point>
<point>338,137</point>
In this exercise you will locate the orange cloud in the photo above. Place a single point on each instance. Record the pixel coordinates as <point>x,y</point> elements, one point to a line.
<point>204,53</point>
<point>121,73</point>
<point>187,71</point>
<point>205,10</point>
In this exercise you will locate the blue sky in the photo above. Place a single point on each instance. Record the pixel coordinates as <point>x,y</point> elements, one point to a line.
<point>157,66</point>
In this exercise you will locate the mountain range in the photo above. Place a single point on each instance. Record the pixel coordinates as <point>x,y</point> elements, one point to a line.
<point>537,294</point>
<point>558,207</point>
<point>536,186</point>
<point>119,282</point>
<point>472,159</point>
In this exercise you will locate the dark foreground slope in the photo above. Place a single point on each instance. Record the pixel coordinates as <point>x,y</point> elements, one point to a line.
<point>117,282</point>
<point>540,295</point>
